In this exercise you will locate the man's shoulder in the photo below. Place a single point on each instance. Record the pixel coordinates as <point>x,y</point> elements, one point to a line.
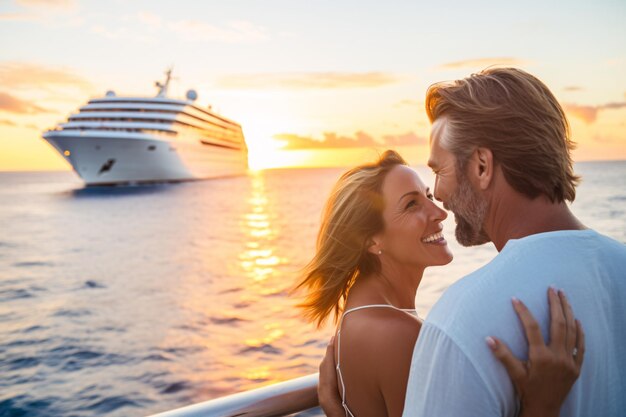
<point>525,267</point>
<point>568,242</point>
<point>470,291</point>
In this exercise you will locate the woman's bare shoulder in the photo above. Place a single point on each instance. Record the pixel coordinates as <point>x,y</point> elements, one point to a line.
<point>376,350</point>
<point>376,330</point>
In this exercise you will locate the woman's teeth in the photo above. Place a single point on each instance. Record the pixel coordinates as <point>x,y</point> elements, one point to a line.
<point>433,237</point>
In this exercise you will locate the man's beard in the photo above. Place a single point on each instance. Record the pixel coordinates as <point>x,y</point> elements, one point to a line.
<point>469,211</point>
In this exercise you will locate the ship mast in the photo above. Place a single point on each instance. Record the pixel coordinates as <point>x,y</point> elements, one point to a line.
<point>163,87</point>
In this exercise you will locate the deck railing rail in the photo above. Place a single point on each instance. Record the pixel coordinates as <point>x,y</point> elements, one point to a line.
<point>280,399</point>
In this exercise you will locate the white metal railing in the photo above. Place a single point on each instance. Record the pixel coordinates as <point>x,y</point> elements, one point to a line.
<point>279,399</point>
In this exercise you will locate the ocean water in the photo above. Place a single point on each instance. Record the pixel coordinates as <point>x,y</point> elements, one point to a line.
<point>129,301</point>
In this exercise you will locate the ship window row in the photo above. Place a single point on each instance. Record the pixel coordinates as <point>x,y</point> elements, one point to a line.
<point>110,109</point>
<point>118,119</point>
<point>214,115</point>
<point>209,142</point>
<point>175,112</point>
<point>119,129</point>
<point>161,102</point>
<point>224,135</point>
<point>123,119</point>
<point>232,136</point>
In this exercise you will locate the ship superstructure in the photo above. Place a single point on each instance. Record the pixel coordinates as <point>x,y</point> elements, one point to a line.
<point>117,140</point>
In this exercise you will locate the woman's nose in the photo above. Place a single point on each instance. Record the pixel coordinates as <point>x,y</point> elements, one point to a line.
<point>438,214</point>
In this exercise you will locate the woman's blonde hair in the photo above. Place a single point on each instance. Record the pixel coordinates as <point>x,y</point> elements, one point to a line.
<point>352,216</point>
<point>515,115</point>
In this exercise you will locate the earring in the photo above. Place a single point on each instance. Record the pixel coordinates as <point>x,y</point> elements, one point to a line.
<point>380,252</point>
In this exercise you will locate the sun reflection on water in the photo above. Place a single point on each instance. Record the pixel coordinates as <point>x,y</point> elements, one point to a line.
<point>237,264</point>
<point>258,261</point>
<point>258,258</point>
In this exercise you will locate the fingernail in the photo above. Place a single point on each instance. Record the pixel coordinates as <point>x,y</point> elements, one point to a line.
<point>491,342</point>
<point>553,290</point>
<point>562,292</point>
<point>515,300</point>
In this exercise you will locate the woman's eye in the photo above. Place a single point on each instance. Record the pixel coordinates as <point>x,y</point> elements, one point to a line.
<point>410,204</point>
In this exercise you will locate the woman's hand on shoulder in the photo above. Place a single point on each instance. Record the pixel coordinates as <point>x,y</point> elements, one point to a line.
<point>543,382</point>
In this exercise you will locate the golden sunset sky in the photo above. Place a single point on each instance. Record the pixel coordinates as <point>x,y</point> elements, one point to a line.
<point>341,77</point>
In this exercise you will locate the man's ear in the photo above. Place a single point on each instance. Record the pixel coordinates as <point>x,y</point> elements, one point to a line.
<point>482,168</point>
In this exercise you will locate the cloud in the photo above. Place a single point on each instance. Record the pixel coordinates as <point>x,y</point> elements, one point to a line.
<point>239,31</point>
<point>19,17</point>
<point>573,88</point>
<point>10,123</point>
<point>330,140</point>
<point>150,19</point>
<point>409,138</point>
<point>5,122</point>
<point>17,75</point>
<point>47,17</point>
<point>607,139</point>
<point>589,114</point>
<point>118,33</point>
<point>54,4</point>
<point>613,106</point>
<point>409,102</point>
<point>13,104</point>
<point>304,80</point>
<point>484,63</point>
<point>143,27</point>
<point>360,139</point>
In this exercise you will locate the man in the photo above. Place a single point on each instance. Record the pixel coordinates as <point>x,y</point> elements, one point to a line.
<point>500,152</point>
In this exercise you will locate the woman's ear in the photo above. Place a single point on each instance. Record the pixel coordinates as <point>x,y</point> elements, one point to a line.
<point>375,245</point>
<point>482,169</point>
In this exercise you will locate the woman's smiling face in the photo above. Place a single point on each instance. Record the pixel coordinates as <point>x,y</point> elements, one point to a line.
<point>412,235</point>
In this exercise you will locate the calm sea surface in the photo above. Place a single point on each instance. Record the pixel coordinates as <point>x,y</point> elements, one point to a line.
<point>133,300</point>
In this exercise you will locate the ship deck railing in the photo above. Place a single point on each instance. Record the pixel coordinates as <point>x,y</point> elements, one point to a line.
<point>280,399</point>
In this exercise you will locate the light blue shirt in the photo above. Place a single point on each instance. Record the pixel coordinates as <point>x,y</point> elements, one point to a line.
<point>453,372</point>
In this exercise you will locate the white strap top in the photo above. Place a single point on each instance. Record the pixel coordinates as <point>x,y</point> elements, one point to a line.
<point>340,377</point>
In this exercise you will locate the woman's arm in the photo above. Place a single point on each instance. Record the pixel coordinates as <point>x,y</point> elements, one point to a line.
<point>543,382</point>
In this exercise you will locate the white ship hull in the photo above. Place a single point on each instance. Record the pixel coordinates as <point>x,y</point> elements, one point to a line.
<point>108,157</point>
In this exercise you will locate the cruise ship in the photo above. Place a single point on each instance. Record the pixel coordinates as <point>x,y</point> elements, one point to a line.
<point>133,140</point>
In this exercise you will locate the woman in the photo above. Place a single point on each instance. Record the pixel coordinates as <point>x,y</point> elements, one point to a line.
<point>379,232</point>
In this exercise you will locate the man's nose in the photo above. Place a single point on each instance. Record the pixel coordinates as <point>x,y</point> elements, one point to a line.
<point>437,190</point>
